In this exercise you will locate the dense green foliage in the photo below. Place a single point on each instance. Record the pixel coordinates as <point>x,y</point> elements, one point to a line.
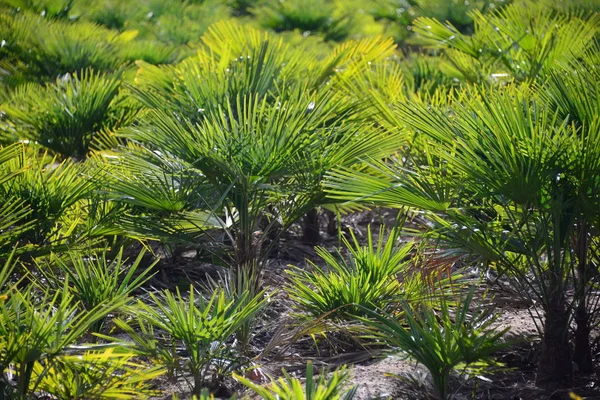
<point>223,127</point>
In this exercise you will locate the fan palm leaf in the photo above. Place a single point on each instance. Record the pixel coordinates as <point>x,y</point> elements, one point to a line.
<point>65,116</point>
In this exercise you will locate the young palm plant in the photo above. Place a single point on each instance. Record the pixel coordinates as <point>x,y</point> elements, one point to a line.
<point>334,387</point>
<point>374,276</point>
<point>37,328</point>
<point>49,192</point>
<point>315,16</point>
<point>95,278</point>
<point>441,341</point>
<point>205,328</point>
<point>65,116</point>
<point>245,133</point>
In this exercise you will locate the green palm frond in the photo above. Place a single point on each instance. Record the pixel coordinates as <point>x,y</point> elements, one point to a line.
<point>394,186</point>
<point>522,41</point>
<point>102,374</point>
<point>65,116</point>
<point>48,191</point>
<point>205,329</point>
<point>322,387</point>
<point>48,48</point>
<point>236,62</point>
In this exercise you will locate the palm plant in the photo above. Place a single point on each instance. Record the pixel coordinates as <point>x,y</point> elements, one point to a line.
<point>501,178</point>
<point>368,279</point>
<point>573,91</point>
<point>53,195</point>
<point>96,278</point>
<point>240,285</point>
<point>64,117</point>
<point>523,41</point>
<point>316,16</point>
<point>97,374</point>
<point>205,328</point>
<point>257,159</point>
<point>36,328</point>
<point>442,341</point>
<point>45,48</point>
<point>321,388</point>
<point>245,135</point>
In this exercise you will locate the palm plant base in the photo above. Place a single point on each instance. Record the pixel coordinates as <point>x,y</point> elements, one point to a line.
<point>555,366</point>
<point>582,355</point>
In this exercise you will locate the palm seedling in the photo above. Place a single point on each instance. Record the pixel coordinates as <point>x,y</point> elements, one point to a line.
<point>367,278</point>
<point>97,374</point>
<point>36,328</point>
<point>442,341</point>
<point>64,117</point>
<point>95,278</point>
<point>323,387</point>
<point>205,328</point>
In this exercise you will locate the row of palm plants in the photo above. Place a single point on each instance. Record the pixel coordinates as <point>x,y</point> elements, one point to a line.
<point>181,24</point>
<point>508,176</point>
<point>226,150</point>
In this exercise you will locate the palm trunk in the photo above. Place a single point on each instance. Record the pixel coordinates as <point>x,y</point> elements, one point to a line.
<point>555,366</point>
<point>198,385</point>
<point>441,385</point>
<point>582,355</point>
<point>332,228</point>
<point>311,234</point>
